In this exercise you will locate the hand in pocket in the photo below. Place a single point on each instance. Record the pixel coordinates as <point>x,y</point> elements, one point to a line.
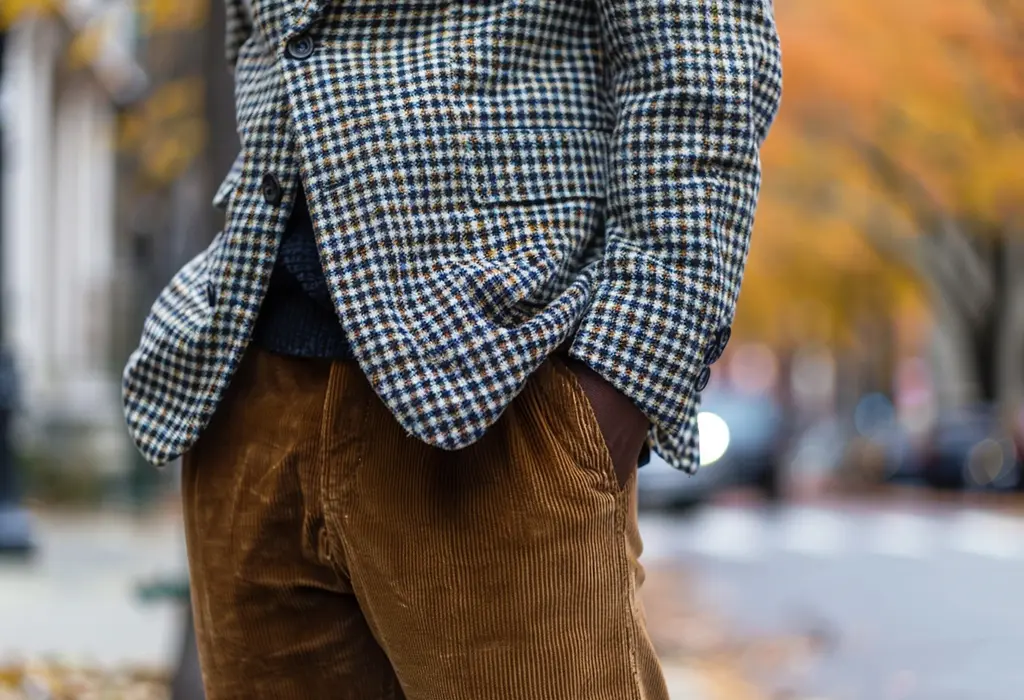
<point>623,425</point>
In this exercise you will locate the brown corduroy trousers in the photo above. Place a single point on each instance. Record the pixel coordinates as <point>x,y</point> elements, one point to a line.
<point>334,557</point>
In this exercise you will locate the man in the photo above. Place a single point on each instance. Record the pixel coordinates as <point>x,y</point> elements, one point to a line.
<point>476,254</point>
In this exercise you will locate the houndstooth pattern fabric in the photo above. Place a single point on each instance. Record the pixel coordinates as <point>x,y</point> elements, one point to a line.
<point>486,179</point>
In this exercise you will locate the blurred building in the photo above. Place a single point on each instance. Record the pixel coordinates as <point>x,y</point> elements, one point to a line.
<point>66,73</point>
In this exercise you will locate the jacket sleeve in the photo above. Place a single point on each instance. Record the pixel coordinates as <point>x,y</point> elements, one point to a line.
<point>696,83</point>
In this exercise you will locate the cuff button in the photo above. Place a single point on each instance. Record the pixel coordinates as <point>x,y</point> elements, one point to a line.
<point>703,378</point>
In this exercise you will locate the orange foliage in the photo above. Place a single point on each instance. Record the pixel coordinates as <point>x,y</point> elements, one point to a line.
<point>12,11</point>
<point>932,91</point>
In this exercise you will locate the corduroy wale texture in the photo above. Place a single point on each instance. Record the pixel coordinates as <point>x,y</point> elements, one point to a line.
<point>486,180</point>
<point>335,557</point>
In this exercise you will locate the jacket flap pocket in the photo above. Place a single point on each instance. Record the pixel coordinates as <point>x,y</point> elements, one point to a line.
<point>516,165</point>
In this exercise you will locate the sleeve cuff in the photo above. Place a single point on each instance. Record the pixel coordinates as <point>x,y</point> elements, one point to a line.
<point>655,345</point>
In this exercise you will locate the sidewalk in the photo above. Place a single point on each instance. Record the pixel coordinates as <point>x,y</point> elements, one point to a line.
<point>689,639</point>
<point>76,603</point>
<point>76,599</point>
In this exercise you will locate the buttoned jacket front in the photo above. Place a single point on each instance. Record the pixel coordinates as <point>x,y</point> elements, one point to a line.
<point>485,179</point>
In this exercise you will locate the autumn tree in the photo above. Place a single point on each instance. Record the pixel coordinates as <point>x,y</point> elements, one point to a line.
<point>176,142</point>
<point>897,157</point>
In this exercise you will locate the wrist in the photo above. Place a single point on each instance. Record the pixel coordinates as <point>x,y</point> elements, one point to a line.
<point>603,392</point>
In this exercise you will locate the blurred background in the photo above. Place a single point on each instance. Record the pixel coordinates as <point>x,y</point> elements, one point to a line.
<point>856,530</point>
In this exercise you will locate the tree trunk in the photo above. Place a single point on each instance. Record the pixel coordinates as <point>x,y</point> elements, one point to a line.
<point>984,343</point>
<point>989,340</point>
<point>988,331</point>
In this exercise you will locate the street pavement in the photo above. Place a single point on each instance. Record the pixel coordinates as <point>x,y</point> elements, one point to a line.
<point>868,600</point>
<point>77,602</point>
<point>76,599</point>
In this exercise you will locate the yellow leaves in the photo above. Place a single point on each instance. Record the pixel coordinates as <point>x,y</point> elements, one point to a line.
<point>169,157</point>
<point>55,680</point>
<point>11,676</point>
<point>84,49</point>
<point>176,98</point>
<point>158,16</point>
<point>994,187</point>
<point>167,131</point>
<point>13,10</point>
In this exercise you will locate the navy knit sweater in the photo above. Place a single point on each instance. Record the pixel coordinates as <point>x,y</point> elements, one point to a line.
<point>298,317</point>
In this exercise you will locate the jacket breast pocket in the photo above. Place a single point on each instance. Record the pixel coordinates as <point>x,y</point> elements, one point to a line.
<point>521,165</point>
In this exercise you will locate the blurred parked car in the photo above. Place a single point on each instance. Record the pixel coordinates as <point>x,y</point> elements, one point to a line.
<point>967,447</point>
<point>741,440</point>
<point>816,453</point>
<point>971,448</point>
<point>887,454</point>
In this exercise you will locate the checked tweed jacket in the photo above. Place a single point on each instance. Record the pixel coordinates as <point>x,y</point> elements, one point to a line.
<point>486,178</point>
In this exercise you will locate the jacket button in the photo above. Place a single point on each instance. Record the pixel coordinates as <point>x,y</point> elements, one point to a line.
<point>211,294</point>
<point>272,193</point>
<point>717,347</point>
<point>300,47</point>
<point>703,378</point>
